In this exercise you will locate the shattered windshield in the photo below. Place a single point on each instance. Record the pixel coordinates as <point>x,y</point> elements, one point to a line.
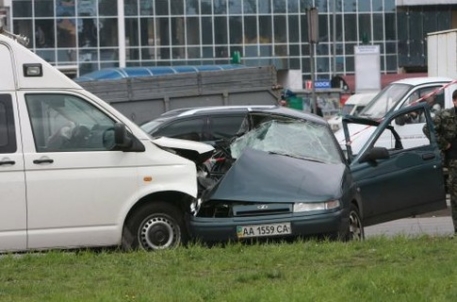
<point>300,139</point>
<point>384,101</point>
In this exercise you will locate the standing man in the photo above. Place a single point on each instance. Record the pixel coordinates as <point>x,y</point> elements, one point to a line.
<point>445,123</point>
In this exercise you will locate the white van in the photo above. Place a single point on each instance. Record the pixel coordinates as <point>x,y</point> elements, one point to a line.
<point>74,172</point>
<point>353,106</point>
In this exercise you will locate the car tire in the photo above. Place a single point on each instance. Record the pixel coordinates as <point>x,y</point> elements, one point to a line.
<point>355,230</point>
<point>155,226</point>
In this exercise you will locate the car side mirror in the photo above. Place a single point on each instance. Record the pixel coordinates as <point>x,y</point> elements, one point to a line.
<point>400,120</point>
<point>374,154</point>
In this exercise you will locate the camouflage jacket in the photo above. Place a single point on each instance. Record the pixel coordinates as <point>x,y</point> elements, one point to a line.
<point>445,123</point>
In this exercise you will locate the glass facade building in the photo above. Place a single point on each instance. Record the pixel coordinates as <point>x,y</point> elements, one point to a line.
<point>94,34</point>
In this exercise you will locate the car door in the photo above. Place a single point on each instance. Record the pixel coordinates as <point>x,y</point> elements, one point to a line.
<point>76,186</point>
<point>401,181</point>
<point>12,179</point>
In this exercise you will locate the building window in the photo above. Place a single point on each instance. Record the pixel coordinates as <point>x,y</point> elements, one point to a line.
<point>84,32</point>
<point>44,8</point>
<point>22,8</point>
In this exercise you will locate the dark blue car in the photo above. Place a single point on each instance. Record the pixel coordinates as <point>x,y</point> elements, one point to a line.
<point>290,178</point>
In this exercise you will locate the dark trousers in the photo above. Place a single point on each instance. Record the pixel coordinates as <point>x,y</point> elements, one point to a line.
<point>452,187</point>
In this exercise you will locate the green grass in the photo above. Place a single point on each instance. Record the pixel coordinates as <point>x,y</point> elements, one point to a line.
<point>377,269</point>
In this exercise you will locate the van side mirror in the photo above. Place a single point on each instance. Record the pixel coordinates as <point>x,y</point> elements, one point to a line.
<point>121,138</point>
<point>118,138</point>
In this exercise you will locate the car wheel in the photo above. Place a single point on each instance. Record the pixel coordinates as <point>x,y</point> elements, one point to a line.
<point>355,231</point>
<point>155,226</point>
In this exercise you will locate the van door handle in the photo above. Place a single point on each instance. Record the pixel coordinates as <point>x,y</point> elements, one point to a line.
<point>7,162</point>
<point>43,161</point>
<point>428,156</point>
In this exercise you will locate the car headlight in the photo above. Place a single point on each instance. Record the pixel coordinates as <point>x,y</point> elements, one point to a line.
<point>316,206</point>
<point>195,206</point>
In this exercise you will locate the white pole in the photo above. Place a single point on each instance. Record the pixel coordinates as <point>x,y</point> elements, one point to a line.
<point>121,32</point>
<point>334,38</point>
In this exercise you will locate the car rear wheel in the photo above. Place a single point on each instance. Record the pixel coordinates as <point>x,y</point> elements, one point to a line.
<point>355,231</point>
<point>155,226</point>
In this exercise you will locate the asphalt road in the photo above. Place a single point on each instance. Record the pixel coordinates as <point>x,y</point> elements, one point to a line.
<point>435,223</point>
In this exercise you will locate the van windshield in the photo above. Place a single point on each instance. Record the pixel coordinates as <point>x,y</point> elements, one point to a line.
<point>385,100</point>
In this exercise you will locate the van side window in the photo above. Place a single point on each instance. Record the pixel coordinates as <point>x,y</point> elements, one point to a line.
<point>63,123</point>
<point>7,129</point>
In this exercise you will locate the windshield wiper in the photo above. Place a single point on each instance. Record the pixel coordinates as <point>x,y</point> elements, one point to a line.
<point>295,156</point>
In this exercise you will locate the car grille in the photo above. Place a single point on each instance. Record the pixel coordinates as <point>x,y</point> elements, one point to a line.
<point>237,209</point>
<point>260,209</point>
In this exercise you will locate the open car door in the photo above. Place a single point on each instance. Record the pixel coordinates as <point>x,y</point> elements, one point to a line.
<point>397,182</point>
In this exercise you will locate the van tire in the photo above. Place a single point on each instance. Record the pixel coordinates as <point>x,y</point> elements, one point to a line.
<point>154,226</point>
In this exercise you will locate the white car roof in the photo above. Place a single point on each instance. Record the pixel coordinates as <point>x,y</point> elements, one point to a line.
<point>423,80</point>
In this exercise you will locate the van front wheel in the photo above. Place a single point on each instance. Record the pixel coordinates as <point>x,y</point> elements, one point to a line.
<point>156,226</point>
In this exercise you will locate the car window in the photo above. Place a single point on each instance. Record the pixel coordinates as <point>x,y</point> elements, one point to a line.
<point>385,100</point>
<point>3,126</point>
<point>150,127</point>
<point>7,130</point>
<point>347,109</point>
<point>411,99</point>
<point>358,109</point>
<point>398,143</point>
<point>224,126</point>
<point>67,123</point>
<point>191,129</point>
<point>434,100</point>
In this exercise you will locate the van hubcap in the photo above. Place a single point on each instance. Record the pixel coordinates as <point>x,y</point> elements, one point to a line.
<point>158,233</point>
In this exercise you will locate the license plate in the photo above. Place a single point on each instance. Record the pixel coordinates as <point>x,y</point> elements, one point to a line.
<point>263,230</point>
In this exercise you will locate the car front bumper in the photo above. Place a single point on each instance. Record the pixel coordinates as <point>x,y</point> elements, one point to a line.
<point>302,225</point>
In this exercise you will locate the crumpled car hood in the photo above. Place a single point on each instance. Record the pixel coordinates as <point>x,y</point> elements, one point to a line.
<point>176,143</point>
<point>259,176</point>
<point>195,151</point>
